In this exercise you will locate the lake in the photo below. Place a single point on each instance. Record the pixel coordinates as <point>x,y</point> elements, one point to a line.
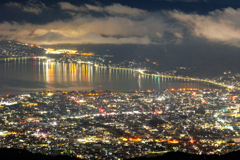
<point>24,76</point>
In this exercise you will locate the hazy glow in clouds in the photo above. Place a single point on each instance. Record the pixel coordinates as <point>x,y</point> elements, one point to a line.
<point>118,24</point>
<point>218,26</point>
<point>117,28</point>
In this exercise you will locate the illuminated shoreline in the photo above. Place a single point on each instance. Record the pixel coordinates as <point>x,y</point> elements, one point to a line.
<point>137,70</point>
<point>167,76</point>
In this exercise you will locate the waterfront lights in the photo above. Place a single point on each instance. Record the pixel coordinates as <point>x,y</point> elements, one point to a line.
<point>141,71</point>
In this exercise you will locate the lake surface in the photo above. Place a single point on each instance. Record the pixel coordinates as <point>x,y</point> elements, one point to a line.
<point>24,76</point>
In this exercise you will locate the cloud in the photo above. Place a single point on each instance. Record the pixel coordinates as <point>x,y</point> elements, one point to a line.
<point>31,6</point>
<point>178,35</point>
<point>56,38</point>
<point>34,10</point>
<point>118,9</point>
<point>69,6</point>
<point>94,8</point>
<point>83,29</point>
<point>219,25</point>
<point>121,24</point>
<point>13,4</point>
<point>112,9</point>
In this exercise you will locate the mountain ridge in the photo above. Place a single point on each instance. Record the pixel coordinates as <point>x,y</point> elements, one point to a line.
<point>12,153</point>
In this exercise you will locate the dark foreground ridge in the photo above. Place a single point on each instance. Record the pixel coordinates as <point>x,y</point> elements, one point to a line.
<point>18,154</point>
<point>7,154</point>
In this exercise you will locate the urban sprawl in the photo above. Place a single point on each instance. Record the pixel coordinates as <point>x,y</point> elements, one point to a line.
<point>121,125</point>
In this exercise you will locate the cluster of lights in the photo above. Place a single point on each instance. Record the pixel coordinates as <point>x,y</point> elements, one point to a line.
<point>81,101</point>
<point>65,51</point>
<point>192,141</point>
<point>101,110</point>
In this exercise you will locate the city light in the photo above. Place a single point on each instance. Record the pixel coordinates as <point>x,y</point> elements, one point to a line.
<point>192,141</point>
<point>128,118</point>
<point>66,51</point>
<point>101,110</point>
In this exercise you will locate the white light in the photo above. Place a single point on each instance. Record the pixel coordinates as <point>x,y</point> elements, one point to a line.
<point>230,86</point>
<point>81,101</point>
<point>3,133</point>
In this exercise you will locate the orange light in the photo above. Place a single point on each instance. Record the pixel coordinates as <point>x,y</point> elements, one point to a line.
<point>51,49</point>
<point>174,141</point>
<point>192,141</point>
<point>101,110</point>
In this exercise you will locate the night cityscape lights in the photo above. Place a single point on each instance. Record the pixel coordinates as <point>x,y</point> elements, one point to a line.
<point>122,124</point>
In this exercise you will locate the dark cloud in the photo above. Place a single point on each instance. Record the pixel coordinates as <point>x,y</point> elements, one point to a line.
<point>35,7</point>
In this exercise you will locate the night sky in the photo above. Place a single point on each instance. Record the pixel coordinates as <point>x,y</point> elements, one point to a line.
<point>189,32</point>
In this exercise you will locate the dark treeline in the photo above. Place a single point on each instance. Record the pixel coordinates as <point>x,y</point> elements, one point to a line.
<point>7,154</point>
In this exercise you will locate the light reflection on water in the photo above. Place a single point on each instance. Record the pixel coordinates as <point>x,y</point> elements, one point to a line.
<point>31,76</point>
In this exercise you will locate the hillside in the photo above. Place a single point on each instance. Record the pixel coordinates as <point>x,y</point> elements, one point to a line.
<point>7,154</point>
